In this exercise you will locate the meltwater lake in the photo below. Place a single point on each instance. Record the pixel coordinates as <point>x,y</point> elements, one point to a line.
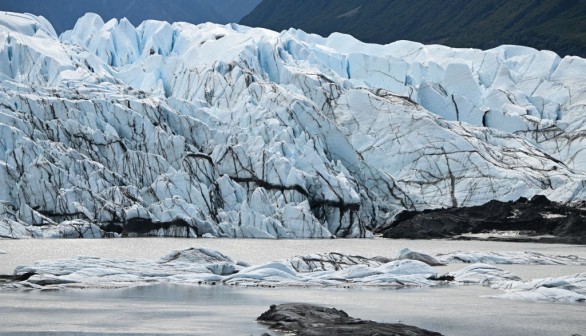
<point>225,310</point>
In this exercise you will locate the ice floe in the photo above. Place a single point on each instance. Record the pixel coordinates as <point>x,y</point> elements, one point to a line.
<point>482,274</point>
<point>186,266</point>
<point>200,266</point>
<point>483,271</point>
<point>568,289</point>
<point>523,258</point>
<point>406,253</point>
<point>204,266</point>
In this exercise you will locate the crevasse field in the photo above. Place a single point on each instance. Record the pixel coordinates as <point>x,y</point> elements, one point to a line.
<point>180,130</point>
<point>184,130</point>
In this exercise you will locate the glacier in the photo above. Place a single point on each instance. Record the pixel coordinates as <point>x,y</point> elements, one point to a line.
<point>224,130</point>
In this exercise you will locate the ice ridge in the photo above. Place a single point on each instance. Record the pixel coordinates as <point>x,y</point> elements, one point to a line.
<point>225,130</point>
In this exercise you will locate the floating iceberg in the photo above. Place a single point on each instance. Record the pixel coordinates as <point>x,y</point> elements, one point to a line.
<point>204,266</point>
<point>571,288</point>
<point>201,266</point>
<point>523,258</point>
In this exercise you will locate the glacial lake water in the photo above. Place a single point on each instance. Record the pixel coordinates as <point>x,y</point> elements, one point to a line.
<point>222,310</point>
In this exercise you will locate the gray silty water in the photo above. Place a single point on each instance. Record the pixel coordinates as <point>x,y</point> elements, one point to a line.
<point>222,310</point>
<point>254,251</point>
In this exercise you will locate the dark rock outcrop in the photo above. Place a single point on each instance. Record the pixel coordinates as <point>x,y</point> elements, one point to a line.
<point>538,219</point>
<point>311,320</point>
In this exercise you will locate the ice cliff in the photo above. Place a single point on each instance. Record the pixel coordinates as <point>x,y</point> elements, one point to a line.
<point>184,130</point>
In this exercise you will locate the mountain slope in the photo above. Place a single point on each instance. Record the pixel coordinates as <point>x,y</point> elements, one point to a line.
<point>184,130</point>
<point>558,25</point>
<point>64,13</point>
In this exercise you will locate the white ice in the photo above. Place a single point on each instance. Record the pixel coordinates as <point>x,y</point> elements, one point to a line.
<point>201,266</point>
<point>226,130</point>
<point>524,258</point>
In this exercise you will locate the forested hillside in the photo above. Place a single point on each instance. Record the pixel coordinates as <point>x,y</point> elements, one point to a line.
<point>558,25</point>
<point>63,13</point>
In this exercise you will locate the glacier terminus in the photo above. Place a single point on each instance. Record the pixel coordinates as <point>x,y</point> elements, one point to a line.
<point>228,131</point>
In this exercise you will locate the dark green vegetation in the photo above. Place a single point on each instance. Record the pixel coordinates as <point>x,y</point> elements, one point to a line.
<point>64,13</point>
<point>558,25</point>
